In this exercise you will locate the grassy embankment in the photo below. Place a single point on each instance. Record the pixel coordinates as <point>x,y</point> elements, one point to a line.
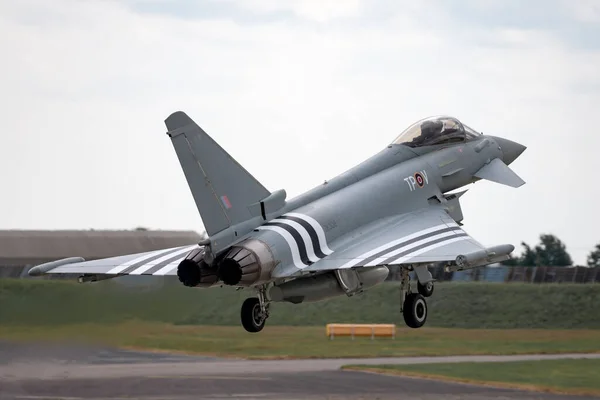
<point>557,376</point>
<point>207,321</point>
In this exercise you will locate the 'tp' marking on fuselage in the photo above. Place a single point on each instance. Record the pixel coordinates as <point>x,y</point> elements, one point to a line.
<point>419,179</point>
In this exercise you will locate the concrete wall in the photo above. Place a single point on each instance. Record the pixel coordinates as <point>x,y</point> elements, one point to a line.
<point>21,250</point>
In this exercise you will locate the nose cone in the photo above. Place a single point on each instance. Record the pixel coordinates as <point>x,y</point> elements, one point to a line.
<point>510,150</point>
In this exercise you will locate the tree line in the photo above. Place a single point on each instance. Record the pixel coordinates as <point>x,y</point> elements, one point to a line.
<point>550,252</point>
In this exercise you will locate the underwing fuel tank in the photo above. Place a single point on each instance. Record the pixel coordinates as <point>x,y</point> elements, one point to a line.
<point>330,284</point>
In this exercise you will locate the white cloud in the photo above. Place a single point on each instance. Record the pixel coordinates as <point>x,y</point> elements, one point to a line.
<point>316,10</point>
<point>86,87</point>
<point>587,11</point>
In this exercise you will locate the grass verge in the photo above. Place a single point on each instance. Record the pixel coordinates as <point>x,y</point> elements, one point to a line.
<point>310,342</point>
<point>555,376</point>
<point>453,305</point>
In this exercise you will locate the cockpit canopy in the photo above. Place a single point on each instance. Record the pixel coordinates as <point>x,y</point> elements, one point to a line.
<point>435,131</point>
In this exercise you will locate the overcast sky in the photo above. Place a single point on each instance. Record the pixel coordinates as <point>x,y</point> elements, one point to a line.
<point>297,91</point>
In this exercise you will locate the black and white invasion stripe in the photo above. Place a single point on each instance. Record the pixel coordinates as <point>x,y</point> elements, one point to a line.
<point>407,247</point>
<point>158,262</point>
<point>303,234</point>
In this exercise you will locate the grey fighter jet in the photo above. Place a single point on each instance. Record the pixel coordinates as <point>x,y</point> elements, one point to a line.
<point>340,238</point>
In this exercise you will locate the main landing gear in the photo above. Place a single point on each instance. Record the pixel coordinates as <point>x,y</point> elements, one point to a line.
<point>255,311</point>
<point>413,305</point>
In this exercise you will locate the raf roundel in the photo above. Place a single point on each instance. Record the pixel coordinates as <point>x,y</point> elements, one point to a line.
<point>419,179</point>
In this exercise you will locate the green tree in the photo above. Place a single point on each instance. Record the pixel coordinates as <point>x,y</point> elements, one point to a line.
<point>529,257</point>
<point>511,262</point>
<point>526,259</point>
<point>593,259</point>
<point>549,252</point>
<point>552,252</point>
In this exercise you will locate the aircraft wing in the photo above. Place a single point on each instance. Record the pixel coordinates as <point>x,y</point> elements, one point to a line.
<point>157,262</point>
<point>425,236</point>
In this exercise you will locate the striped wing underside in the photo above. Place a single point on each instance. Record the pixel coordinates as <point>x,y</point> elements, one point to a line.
<point>158,262</point>
<point>421,237</point>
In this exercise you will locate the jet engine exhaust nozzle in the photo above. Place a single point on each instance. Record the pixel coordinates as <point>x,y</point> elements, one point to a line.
<point>246,264</point>
<point>230,271</point>
<point>194,272</point>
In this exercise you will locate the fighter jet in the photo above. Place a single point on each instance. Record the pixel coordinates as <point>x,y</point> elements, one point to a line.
<point>396,208</point>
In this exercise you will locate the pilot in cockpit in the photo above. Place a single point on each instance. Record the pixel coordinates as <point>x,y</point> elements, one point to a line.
<point>429,130</point>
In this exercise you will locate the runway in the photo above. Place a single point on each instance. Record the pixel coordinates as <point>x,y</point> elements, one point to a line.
<point>45,371</point>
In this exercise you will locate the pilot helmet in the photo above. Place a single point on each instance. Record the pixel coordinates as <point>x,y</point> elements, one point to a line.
<point>431,127</point>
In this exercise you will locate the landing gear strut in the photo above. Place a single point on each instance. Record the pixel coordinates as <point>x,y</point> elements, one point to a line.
<point>255,311</point>
<point>413,305</point>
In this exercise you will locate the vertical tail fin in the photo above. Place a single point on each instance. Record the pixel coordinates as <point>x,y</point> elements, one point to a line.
<point>222,188</point>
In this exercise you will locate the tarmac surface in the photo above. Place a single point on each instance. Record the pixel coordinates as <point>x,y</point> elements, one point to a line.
<point>70,372</point>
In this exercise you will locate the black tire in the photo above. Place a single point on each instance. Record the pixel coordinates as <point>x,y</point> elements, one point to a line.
<point>415,310</point>
<point>426,290</point>
<point>250,315</point>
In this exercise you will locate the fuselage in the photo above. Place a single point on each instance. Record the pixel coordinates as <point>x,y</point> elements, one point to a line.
<point>341,237</point>
<point>397,180</point>
<point>338,238</point>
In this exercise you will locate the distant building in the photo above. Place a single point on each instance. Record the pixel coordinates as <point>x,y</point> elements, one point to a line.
<point>20,250</point>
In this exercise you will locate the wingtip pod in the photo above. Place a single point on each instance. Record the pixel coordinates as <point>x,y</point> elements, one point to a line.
<point>41,269</point>
<point>486,256</point>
